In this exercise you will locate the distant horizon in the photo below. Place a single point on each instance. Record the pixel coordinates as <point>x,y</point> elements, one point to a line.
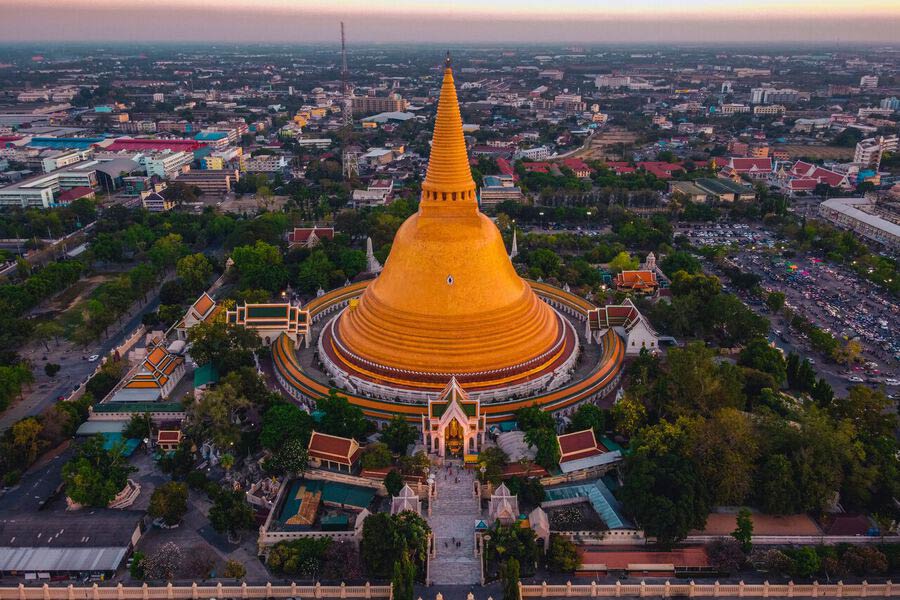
<point>703,22</point>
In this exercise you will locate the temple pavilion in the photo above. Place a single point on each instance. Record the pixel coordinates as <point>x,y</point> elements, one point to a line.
<point>454,424</point>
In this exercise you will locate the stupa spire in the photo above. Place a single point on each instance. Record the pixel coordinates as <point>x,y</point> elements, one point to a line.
<point>449,178</point>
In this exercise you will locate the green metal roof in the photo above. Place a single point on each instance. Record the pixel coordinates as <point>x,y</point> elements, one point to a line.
<point>267,312</point>
<point>138,407</point>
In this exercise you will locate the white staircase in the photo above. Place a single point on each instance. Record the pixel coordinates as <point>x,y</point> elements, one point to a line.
<point>453,516</point>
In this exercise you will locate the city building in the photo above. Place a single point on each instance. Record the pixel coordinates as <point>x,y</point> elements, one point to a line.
<point>612,81</point>
<point>63,544</point>
<point>265,163</point>
<point>769,110</point>
<point>58,159</point>
<point>166,163</point>
<point>892,103</point>
<point>870,150</point>
<point>41,191</point>
<point>497,189</point>
<point>156,202</point>
<point>378,104</point>
<point>726,190</point>
<point>865,218</point>
<point>868,82</point>
<point>209,181</point>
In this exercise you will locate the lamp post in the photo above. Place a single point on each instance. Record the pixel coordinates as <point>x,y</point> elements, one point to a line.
<point>542,219</point>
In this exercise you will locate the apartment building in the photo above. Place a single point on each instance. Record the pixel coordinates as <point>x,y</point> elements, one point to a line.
<point>166,164</point>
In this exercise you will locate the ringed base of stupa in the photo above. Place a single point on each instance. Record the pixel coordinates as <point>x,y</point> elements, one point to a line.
<point>591,372</point>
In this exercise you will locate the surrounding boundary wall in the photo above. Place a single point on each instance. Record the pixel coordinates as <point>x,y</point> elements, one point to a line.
<point>194,592</point>
<point>714,590</point>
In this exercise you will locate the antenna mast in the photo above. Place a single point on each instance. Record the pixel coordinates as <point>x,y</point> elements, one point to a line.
<point>345,83</point>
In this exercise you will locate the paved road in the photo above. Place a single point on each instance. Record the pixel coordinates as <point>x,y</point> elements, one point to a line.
<point>75,368</point>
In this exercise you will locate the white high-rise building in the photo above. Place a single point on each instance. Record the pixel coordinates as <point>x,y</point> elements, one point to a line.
<point>868,81</point>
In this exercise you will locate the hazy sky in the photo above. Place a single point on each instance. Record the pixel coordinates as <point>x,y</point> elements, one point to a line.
<point>397,21</point>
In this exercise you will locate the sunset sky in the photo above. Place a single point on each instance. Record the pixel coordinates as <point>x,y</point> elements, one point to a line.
<point>467,21</point>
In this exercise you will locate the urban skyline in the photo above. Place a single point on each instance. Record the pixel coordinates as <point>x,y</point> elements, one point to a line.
<point>802,21</point>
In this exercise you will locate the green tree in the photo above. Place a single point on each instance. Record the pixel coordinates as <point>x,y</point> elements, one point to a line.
<point>169,502</point>
<point>234,569</point>
<point>760,355</point>
<point>260,267</point>
<point>166,251</point>
<point>589,416</point>
<point>775,301</point>
<point>228,347</point>
<point>562,556</point>
<point>94,475</point>
<point>398,434</point>
<point>229,513</point>
<point>509,579</point>
<point>724,449</point>
<point>743,533</point>
<point>545,442</point>
<point>194,270</point>
<point>393,482</point>
<point>282,422</point>
<point>376,456</point>
<point>629,414</point>
<point>291,457</point>
<point>623,262</point>
<point>534,417</point>
<point>138,426</point>
<point>341,418</point>
<point>663,490</point>
<point>491,461</point>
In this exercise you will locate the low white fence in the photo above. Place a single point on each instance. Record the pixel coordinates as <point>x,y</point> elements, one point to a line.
<point>194,592</point>
<point>714,590</point>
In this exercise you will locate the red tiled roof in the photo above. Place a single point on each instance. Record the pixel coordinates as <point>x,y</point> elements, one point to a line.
<point>168,437</point>
<point>625,557</point>
<point>176,145</point>
<point>301,234</point>
<point>746,165</point>
<point>581,444</point>
<point>505,167</point>
<point>75,193</point>
<point>333,448</point>
<point>537,167</point>
<point>725,523</point>
<point>660,170</point>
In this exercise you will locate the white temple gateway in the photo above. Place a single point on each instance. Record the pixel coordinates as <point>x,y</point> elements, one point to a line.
<point>454,424</point>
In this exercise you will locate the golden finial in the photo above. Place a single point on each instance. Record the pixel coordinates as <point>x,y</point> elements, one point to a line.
<point>447,60</point>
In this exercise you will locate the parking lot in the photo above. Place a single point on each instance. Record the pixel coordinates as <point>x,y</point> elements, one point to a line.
<point>839,302</point>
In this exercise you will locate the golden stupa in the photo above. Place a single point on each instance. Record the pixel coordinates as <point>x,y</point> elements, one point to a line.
<point>448,302</point>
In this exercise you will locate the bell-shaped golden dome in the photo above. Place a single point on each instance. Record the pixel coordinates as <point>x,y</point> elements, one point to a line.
<point>448,302</point>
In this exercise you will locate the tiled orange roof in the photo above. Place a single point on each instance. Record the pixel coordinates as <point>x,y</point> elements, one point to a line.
<point>203,304</point>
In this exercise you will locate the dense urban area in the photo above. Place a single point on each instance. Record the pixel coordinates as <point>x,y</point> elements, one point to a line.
<point>715,229</point>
